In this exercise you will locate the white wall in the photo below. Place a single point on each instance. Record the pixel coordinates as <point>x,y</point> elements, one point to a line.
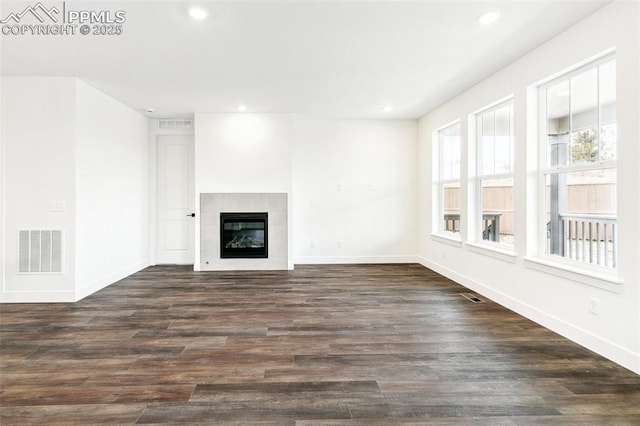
<point>373,216</point>
<point>2,191</point>
<point>39,159</point>
<point>112,190</point>
<point>355,191</point>
<point>560,303</point>
<point>67,144</point>
<point>242,153</point>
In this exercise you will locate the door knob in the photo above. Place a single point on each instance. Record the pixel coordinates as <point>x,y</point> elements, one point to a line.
<point>192,215</point>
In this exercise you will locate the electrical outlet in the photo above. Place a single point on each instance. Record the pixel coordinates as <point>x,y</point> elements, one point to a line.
<point>339,243</point>
<point>312,244</point>
<point>594,306</point>
<point>339,187</point>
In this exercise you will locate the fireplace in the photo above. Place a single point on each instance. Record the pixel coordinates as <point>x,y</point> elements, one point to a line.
<point>275,256</point>
<point>244,235</point>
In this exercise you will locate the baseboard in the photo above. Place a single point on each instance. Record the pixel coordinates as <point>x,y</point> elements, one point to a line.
<point>324,260</point>
<point>37,297</point>
<point>604,347</point>
<point>109,279</point>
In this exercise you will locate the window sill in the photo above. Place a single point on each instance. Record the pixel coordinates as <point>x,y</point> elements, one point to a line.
<point>495,252</point>
<point>447,239</point>
<point>600,280</point>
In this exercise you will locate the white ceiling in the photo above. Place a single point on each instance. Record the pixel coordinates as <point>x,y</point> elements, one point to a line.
<point>344,59</point>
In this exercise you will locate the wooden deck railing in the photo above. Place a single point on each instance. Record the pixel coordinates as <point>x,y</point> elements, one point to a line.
<point>490,225</point>
<point>586,238</point>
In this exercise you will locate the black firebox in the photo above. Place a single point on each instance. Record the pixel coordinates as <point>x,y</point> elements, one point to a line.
<point>244,235</point>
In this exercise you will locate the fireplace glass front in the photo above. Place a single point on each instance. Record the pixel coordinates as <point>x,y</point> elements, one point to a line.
<point>243,235</point>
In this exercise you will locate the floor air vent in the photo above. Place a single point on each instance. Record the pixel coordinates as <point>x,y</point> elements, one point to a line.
<point>39,251</point>
<point>472,297</point>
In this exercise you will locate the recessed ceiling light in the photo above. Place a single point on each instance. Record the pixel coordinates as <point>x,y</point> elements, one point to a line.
<point>198,13</point>
<point>242,107</point>
<point>150,110</point>
<point>489,17</point>
<point>388,108</point>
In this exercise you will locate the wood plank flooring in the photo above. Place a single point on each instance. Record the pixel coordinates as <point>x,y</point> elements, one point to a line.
<point>321,345</point>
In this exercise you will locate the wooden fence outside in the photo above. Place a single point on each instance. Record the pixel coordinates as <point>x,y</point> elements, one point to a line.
<point>581,199</point>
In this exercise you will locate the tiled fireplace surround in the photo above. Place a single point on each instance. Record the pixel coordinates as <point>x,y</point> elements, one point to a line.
<point>212,204</point>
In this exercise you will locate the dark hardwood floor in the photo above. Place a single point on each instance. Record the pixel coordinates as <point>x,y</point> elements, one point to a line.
<point>328,345</point>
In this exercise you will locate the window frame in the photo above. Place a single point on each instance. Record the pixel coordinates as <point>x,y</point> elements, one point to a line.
<point>544,170</point>
<point>479,176</point>
<point>438,229</point>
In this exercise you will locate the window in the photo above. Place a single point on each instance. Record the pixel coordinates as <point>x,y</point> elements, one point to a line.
<point>448,180</point>
<point>494,184</point>
<point>578,165</point>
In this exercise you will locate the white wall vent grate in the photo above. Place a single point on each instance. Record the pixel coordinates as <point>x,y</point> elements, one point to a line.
<point>175,124</point>
<point>39,252</point>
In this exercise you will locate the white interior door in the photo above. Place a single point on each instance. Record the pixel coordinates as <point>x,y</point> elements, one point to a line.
<point>175,200</point>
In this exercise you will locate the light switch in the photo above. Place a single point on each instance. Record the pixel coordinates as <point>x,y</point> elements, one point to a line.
<point>57,206</point>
